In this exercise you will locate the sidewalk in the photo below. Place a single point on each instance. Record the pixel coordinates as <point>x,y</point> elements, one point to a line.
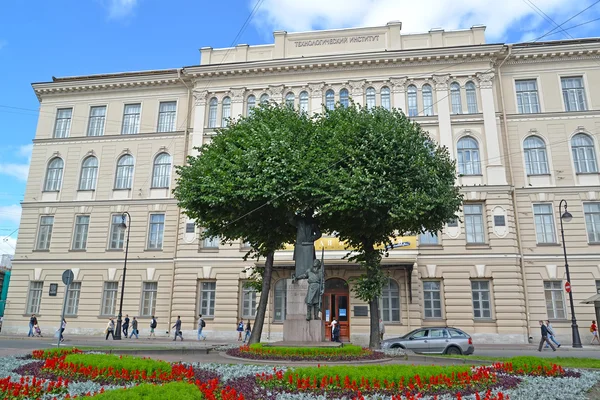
<point>534,347</point>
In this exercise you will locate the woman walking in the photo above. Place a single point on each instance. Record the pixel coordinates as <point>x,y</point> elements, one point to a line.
<point>110,329</point>
<point>248,332</point>
<point>240,329</point>
<point>594,331</point>
<point>63,326</point>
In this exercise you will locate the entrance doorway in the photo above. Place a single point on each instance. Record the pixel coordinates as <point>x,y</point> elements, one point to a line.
<point>336,304</point>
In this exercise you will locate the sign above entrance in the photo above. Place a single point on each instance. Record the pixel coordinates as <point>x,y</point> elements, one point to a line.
<point>333,243</point>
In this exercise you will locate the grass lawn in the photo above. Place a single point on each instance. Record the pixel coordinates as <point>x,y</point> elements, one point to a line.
<point>565,362</point>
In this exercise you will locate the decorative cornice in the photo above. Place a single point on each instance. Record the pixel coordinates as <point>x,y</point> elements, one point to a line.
<point>316,89</point>
<point>357,87</point>
<point>237,95</point>
<point>107,138</point>
<point>441,82</point>
<point>398,84</point>
<point>276,93</point>
<point>486,79</point>
<point>200,97</point>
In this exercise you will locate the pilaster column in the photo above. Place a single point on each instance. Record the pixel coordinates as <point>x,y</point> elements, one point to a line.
<point>316,97</point>
<point>276,93</point>
<point>199,116</point>
<point>357,91</point>
<point>441,89</point>
<point>399,93</point>
<point>237,102</point>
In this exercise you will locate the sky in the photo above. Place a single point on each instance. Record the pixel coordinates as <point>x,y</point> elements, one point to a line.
<point>40,39</point>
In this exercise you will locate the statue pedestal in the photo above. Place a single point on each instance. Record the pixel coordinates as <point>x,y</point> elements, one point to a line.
<point>295,327</point>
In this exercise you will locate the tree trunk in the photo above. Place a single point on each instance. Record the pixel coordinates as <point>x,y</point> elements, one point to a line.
<point>374,337</point>
<point>259,320</point>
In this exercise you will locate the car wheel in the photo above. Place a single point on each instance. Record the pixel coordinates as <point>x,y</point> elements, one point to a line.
<point>453,351</point>
<point>395,346</point>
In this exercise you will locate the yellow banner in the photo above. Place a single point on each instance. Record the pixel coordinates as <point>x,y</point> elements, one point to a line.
<point>333,243</point>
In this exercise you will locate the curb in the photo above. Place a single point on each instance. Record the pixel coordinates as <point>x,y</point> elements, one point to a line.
<point>308,362</point>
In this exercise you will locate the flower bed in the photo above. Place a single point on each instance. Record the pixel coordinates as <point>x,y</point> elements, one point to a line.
<point>345,353</point>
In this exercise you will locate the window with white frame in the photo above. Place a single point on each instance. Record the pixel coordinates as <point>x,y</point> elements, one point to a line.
<point>584,154</point>
<point>385,98</point>
<point>80,234</point>
<point>156,231</point>
<point>527,96</point>
<point>432,299</point>
<point>536,158</point>
<point>370,97</point>
<point>73,299</point>
<point>264,99</point>
<point>455,98</point>
<point>468,156</point>
<point>131,119</point>
<point>428,238</point>
<point>211,242</point>
<point>62,126</point>
<point>481,299</point>
<point>544,223</point>
<point>167,110</point>
<point>34,298</point>
<point>411,93</point>
<point>124,173</point>
<point>427,94</point>
<point>250,104</point>
<point>573,93</point>
<point>109,298</point>
<point>555,300</point>
<point>344,98</point>
<point>330,99</point>
<point>225,111</point>
<point>117,233</point>
<point>208,291</point>
<point>390,301</point>
<point>45,232</point>
<point>280,300</point>
<point>248,302</point>
<point>474,227</point>
<point>54,175</point>
<point>89,173</point>
<point>304,101</point>
<point>212,112</point>
<point>592,221</point>
<point>161,174</point>
<point>290,98</point>
<point>149,292</point>
<point>97,120</point>
<point>471,98</point>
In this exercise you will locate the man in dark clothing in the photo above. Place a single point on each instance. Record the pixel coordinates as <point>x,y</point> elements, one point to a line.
<point>32,322</point>
<point>126,325</point>
<point>177,327</point>
<point>545,339</point>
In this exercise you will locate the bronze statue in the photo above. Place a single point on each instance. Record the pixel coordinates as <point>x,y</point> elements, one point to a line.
<point>315,289</point>
<point>307,231</point>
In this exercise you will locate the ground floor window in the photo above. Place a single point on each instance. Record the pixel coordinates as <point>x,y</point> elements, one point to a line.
<point>207,298</point>
<point>149,291</point>
<point>35,297</point>
<point>248,302</point>
<point>390,301</point>
<point>432,297</point>
<point>481,299</point>
<point>73,298</point>
<point>280,300</point>
<point>109,298</point>
<point>555,300</point>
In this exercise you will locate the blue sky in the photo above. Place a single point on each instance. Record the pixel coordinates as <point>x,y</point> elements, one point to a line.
<point>40,39</point>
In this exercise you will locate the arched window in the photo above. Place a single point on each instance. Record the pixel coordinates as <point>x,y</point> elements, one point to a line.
<point>330,99</point>
<point>161,174</point>
<point>344,98</point>
<point>89,173</point>
<point>212,112</point>
<point>536,159</point>
<point>289,99</point>
<point>385,98</point>
<point>390,301</point>
<point>411,92</point>
<point>124,175</point>
<point>370,97</point>
<point>225,111</point>
<point>54,175</point>
<point>455,98</point>
<point>280,300</point>
<point>304,101</point>
<point>471,98</point>
<point>264,98</point>
<point>250,103</point>
<point>584,154</point>
<point>468,156</point>
<point>427,100</point>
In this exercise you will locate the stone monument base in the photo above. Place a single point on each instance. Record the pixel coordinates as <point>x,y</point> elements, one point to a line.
<point>303,344</point>
<point>295,327</point>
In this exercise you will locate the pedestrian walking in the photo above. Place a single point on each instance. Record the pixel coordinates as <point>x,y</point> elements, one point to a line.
<point>177,327</point>
<point>63,326</point>
<point>248,332</point>
<point>544,331</point>
<point>334,324</point>
<point>201,325</point>
<point>381,329</point>
<point>32,322</point>
<point>336,333</point>
<point>153,325</point>
<point>126,325</point>
<point>110,329</point>
<point>551,335</point>
<point>594,331</point>
<point>134,328</point>
<point>240,329</point>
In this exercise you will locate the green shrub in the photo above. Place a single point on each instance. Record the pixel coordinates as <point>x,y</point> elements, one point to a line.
<point>120,362</point>
<point>349,350</point>
<point>170,391</point>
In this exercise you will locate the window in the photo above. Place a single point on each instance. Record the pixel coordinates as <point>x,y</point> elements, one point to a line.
<point>89,172</point>
<point>109,298</point>
<point>370,97</point>
<point>344,101</point>
<point>592,221</point>
<point>212,112</point>
<point>54,175</point>
<point>62,126</point>
<point>225,111</point>
<point>34,299</point>
<point>80,235</point>
<point>45,232</point>
<point>432,299</point>
<point>455,98</point>
<point>304,101</point>
<point>131,119</point>
<point>289,99</point>
<point>96,122</point>
<point>250,103</point>
<point>427,100</point>
<point>117,233</point>
<point>207,298</point>
<point>471,98</point>
<point>385,98</point>
<point>428,238</point>
<point>544,223</point>
<point>474,223</point>
<point>573,93</point>
<point>264,99</point>
<point>280,300</point>
<point>149,290</point>
<point>156,231</point>
<point>527,96</point>
<point>413,109</point>
<point>584,154</point>
<point>248,302</point>
<point>161,175</point>
<point>73,298</point>
<point>536,159</point>
<point>481,299</point>
<point>468,156</point>
<point>166,116</point>
<point>124,176</point>
<point>211,242</point>
<point>390,301</point>
<point>329,99</point>
<point>190,227</point>
<point>555,301</point>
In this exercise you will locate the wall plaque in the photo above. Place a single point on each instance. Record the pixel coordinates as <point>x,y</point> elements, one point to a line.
<point>53,289</point>
<point>361,311</point>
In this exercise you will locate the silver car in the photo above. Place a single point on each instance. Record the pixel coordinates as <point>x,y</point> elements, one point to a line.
<point>433,340</point>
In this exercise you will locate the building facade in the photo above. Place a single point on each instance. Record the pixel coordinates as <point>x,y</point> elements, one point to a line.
<point>522,121</point>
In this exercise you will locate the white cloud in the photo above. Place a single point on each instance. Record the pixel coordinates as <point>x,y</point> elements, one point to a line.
<point>25,150</point>
<point>19,171</point>
<point>7,245</point>
<point>10,214</point>
<point>416,16</point>
<point>118,9</point>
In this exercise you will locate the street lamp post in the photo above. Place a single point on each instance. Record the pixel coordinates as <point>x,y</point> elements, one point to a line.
<point>566,215</point>
<point>124,221</point>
